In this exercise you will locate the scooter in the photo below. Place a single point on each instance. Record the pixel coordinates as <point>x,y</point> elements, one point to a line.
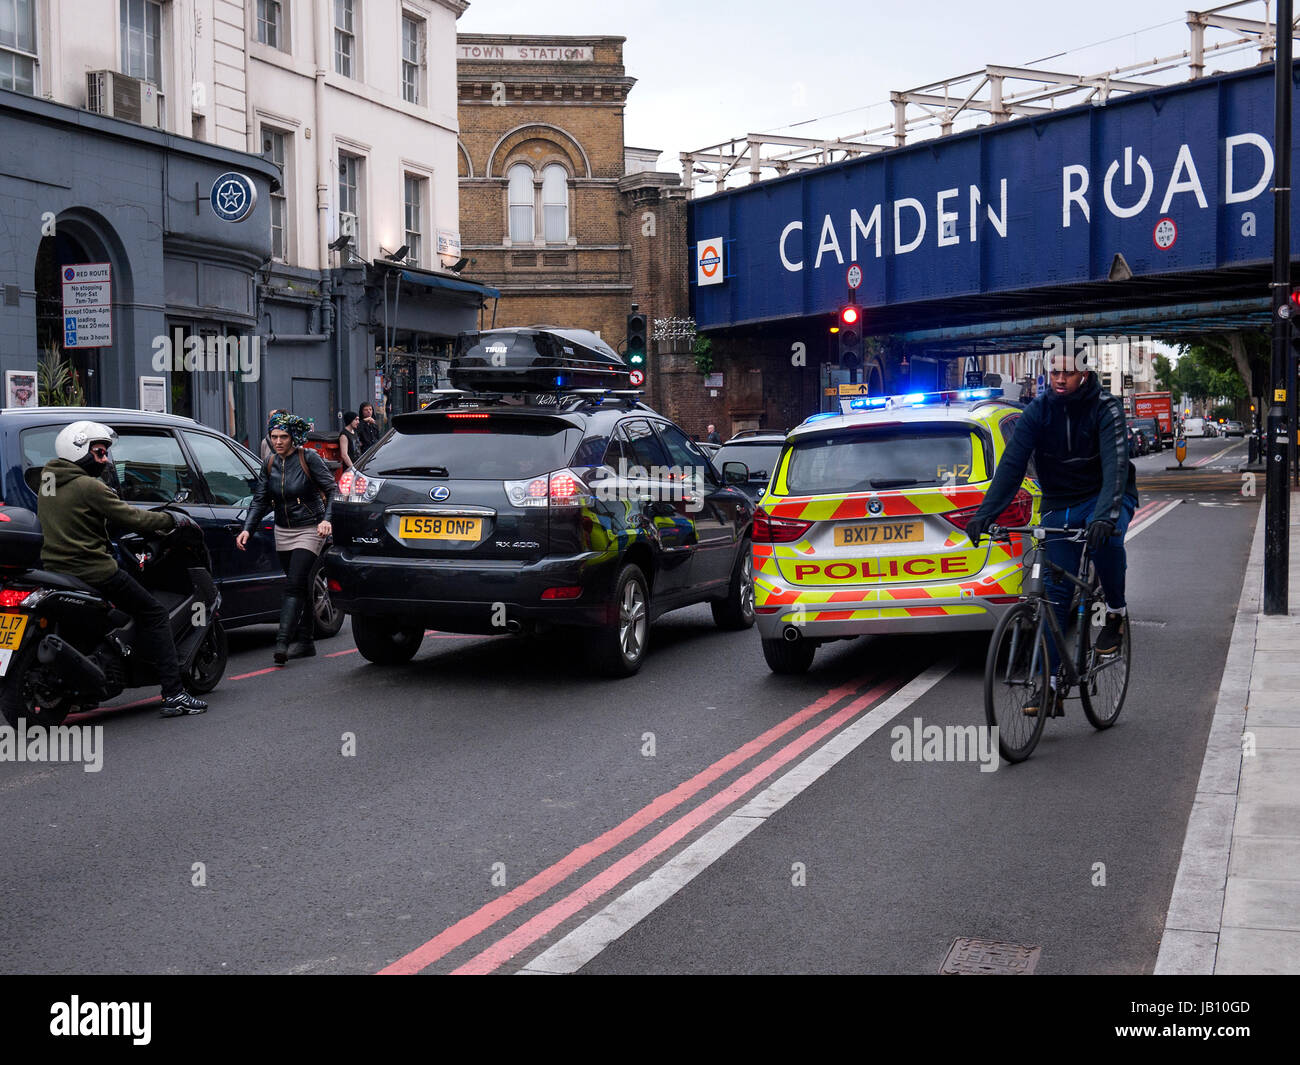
<point>64,647</point>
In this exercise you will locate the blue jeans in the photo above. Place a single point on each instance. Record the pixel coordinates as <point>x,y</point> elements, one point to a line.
<point>1111,561</point>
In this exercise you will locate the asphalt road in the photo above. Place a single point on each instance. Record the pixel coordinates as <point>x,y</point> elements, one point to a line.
<point>499,796</point>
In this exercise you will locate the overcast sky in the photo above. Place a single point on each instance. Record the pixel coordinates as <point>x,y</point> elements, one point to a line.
<point>710,70</point>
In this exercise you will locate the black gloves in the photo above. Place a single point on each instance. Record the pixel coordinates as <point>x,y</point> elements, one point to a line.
<point>1099,534</point>
<point>975,528</point>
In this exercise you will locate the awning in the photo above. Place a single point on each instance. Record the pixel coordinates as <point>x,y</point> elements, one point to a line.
<point>451,284</point>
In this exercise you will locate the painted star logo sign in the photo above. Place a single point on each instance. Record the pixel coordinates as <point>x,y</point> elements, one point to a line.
<point>233,197</point>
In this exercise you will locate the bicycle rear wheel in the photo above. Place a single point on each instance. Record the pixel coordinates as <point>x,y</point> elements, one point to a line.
<point>1016,671</point>
<point>1105,682</point>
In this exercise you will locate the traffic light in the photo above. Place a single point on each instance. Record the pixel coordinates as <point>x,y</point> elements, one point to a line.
<point>636,341</point>
<point>850,337</point>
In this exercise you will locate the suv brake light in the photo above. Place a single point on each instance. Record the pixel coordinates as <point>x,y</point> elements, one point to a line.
<point>1018,513</point>
<point>562,488</point>
<point>358,488</point>
<point>770,530</point>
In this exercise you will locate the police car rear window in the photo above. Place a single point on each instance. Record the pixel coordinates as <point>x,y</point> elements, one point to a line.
<point>488,448</point>
<point>880,458</point>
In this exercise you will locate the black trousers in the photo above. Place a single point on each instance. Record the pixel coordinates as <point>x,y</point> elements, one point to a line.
<point>298,565</point>
<point>153,630</point>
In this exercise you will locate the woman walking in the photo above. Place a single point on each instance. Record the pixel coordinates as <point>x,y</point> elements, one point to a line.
<point>296,485</point>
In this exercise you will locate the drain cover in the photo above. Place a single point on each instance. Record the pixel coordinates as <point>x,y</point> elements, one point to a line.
<point>984,957</point>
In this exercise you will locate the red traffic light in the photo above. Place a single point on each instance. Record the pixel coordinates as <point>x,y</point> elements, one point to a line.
<point>850,315</point>
<point>1295,297</point>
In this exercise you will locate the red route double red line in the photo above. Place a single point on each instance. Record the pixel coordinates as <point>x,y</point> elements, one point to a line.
<point>493,912</point>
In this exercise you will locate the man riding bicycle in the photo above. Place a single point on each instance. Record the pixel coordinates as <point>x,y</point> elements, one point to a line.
<point>1076,435</point>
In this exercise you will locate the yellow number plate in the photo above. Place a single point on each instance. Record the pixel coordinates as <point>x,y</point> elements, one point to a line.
<point>11,631</point>
<point>422,527</point>
<point>879,532</point>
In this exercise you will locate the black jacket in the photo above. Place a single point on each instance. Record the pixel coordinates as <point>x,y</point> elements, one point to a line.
<point>295,498</point>
<point>1080,451</point>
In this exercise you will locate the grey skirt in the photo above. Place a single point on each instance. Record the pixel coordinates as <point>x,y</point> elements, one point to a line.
<point>304,537</point>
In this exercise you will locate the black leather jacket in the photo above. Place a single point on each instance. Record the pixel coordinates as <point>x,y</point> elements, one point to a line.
<point>295,499</point>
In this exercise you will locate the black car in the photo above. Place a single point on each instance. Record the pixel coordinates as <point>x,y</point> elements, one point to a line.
<point>758,449</point>
<point>1150,428</point>
<point>493,512</point>
<point>164,458</point>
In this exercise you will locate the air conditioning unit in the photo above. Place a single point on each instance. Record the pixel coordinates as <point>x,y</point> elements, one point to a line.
<point>119,96</point>
<point>348,225</point>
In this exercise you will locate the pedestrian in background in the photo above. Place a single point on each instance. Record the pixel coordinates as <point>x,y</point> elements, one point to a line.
<point>297,485</point>
<point>348,448</point>
<point>713,437</point>
<point>368,432</point>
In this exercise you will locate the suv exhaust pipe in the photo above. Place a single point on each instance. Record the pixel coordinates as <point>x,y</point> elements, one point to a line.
<point>792,634</point>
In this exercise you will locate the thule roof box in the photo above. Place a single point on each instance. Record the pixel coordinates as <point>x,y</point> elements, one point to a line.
<point>538,358</point>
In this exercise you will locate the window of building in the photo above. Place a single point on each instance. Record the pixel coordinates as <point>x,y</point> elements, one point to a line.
<point>142,39</point>
<point>18,45</point>
<point>521,198</point>
<point>555,203</point>
<point>345,38</point>
<point>271,28</point>
<point>414,197</point>
<point>274,146</point>
<point>412,58</point>
<point>350,167</point>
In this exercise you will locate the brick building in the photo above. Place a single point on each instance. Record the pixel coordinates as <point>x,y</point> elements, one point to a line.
<point>556,211</point>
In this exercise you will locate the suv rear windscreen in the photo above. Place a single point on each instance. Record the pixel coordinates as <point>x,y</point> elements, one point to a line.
<point>490,448</point>
<point>881,458</point>
<point>760,458</point>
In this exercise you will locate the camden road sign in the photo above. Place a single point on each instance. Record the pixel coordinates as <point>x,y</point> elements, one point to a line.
<point>1176,179</point>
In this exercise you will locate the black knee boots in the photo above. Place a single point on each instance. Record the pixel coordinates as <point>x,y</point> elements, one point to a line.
<point>304,643</point>
<point>290,609</point>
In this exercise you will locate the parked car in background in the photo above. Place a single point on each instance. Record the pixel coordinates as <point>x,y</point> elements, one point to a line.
<point>758,449</point>
<point>1233,428</point>
<point>1150,430</point>
<point>163,458</point>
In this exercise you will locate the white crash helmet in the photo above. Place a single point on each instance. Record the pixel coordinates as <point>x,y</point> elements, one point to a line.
<point>73,442</point>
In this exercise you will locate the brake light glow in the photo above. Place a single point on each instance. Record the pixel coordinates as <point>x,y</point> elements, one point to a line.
<point>569,592</point>
<point>561,488</point>
<point>468,414</point>
<point>770,530</point>
<point>1018,513</point>
<point>357,487</point>
<point>4,516</point>
<point>13,597</point>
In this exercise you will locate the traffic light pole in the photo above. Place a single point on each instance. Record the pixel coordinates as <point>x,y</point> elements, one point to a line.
<point>1277,501</point>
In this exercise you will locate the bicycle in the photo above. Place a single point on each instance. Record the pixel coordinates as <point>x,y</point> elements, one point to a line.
<point>1017,670</point>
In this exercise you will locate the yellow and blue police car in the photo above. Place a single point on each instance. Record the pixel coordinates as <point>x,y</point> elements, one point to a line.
<point>861,530</point>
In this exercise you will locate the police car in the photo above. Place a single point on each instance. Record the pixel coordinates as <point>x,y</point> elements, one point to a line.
<point>862,528</point>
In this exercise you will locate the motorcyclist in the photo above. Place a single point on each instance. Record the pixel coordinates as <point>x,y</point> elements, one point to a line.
<point>75,517</point>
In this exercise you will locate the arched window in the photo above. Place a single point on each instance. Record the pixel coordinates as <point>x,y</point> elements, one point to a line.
<point>521,204</point>
<point>555,203</point>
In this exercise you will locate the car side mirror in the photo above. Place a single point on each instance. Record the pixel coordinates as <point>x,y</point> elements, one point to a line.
<point>735,473</point>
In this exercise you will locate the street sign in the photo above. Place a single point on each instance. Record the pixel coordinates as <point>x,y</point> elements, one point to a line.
<point>636,378</point>
<point>87,305</point>
<point>853,390</point>
<point>855,276</point>
<point>974,378</point>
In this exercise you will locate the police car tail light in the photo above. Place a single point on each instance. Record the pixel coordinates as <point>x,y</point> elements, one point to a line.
<point>771,530</point>
<point>358,488</point>
<point>1018,513</point>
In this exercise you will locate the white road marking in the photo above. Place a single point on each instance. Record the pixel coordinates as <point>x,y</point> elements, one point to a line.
<point>596,933</point>
<point>1150,519</point>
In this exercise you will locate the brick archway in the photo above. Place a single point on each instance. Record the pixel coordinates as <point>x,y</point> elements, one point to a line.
<point>562,144</point>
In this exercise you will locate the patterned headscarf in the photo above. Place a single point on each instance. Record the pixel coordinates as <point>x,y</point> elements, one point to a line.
<point>296,427</point>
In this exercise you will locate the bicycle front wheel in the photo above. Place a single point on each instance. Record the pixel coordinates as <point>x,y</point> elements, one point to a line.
<point>1016,677</point>
<point>1105,681</point>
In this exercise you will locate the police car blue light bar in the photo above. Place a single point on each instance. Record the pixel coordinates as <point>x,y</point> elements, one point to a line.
<point>923,399</point>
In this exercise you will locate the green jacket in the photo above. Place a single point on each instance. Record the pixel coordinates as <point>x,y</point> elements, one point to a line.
<point>75,519</point>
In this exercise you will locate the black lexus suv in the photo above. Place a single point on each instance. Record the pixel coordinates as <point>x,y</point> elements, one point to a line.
<point>488,513</point>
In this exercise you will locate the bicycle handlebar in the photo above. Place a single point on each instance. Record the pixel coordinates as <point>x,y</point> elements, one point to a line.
<point>1039,532</point>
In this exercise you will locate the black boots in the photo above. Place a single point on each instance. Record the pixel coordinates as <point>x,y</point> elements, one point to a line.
<point>290,608</point>
<point>304,644</point>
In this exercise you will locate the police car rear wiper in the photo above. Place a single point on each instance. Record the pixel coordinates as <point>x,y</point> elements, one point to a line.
<point>436,471</point>
<point>895,482</point>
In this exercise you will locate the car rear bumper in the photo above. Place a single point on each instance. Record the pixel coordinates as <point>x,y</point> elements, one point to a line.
<point>872,617</point>
<point>456,595</point>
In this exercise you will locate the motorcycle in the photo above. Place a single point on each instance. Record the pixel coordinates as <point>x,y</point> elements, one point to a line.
<point>64,647</point>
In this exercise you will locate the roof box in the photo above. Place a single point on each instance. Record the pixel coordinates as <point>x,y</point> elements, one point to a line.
<point>538,358</point>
